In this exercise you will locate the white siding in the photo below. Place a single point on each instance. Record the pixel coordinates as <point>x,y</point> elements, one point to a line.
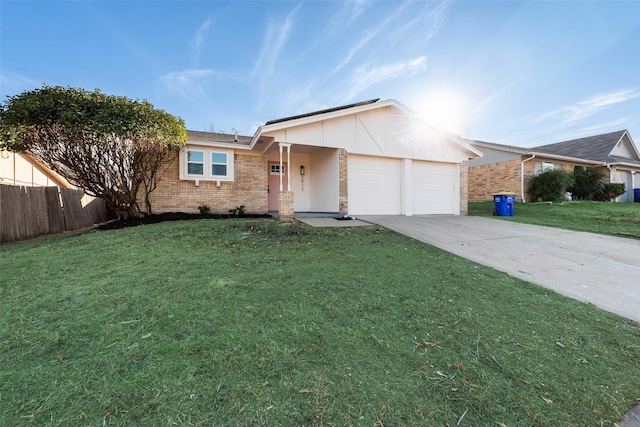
<point>325,184</point>
<point>375,186</point>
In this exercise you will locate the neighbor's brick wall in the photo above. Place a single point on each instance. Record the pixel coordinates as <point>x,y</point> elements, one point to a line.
<point>343,197</point>
<point>530,170</point>
<point>464,188</point>
<point>486,180</point>
<point>249,189</point>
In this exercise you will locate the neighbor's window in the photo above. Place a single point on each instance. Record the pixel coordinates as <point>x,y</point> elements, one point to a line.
<point>207,164</point>
<point>195,162</point>
<point>546,166</point>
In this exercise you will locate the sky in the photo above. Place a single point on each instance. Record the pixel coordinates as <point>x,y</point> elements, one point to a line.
<point>521,73</point>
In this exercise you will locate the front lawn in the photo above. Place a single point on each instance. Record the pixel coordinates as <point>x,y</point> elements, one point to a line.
<point>252,322</point>
<point>616,219</point>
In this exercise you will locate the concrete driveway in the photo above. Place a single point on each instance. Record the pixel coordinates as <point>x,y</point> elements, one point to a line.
<point>601,270</point>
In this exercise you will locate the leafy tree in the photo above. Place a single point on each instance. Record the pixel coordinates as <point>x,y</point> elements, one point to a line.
<point>550,185</point>
<point>587,182</point>
<point>110,146</point>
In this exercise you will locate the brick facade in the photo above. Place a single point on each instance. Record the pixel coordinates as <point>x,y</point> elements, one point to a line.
<point>464,188</point>
<point>285,205</point>
<point>248,189</point>
<point>486,180</point>
<point>343,185</point>
<point>489,179</point>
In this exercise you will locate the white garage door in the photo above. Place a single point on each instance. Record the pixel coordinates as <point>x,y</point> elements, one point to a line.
<point>434,188</point>
<point>624,177</point>
<point>374,186</point>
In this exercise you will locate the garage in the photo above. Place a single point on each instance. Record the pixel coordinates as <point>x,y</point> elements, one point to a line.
<point>369,158</point>
<point>434,188</point>
<point>374,185</point>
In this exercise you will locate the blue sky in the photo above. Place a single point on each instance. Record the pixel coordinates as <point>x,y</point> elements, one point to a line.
<point>518,73</point>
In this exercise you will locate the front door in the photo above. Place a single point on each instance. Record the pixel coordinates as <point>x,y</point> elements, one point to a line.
<point>274,183</point>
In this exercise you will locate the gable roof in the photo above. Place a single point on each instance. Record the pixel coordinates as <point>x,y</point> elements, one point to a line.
<point>597,148</point>
<point>265,133</point>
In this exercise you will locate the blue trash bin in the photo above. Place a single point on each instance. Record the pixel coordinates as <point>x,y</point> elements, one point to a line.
<point>504,202</point>
<point>636,193</point>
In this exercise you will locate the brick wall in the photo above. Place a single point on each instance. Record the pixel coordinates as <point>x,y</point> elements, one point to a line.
<point>464,188</point>
<point>249,189</point>
<point>343,185</point>
<point>486,180</point>
<point>285,204</point>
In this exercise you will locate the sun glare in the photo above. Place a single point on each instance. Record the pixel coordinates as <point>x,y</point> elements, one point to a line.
<point>444,110</point>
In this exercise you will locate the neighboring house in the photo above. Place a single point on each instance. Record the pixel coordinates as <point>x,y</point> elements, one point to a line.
<point>22,169</point>
<point>508,168</point>
<point>370,158</point>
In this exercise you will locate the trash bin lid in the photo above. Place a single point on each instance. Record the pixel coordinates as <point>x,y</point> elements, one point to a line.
<point>502,193</point>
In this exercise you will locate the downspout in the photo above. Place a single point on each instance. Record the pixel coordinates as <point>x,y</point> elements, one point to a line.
<point>522,176</point>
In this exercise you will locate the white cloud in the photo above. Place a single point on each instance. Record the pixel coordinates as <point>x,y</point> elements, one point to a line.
<point>365,76</point>
<point>596,103</point>
<point>14,83</point>
<point>584,109</point>
<point>274,42</point>
<point>369,35</point>
<point>196,43</point>
<point>358,7</point>
<point>190,83</point>
<point>421,25</point>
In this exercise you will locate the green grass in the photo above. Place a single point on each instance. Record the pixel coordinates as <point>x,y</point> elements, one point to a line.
<point>616,219</point>
<point>245,322</point>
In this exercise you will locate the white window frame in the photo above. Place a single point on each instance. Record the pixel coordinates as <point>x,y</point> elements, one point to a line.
<point>207,175</point>
<point>276,170</point>
<point>546,166</point>
<point>203,163</point>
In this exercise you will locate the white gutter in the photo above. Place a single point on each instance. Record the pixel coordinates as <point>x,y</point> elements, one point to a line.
<point>522,176</point>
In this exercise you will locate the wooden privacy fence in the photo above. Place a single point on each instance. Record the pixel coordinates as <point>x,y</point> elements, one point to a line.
<point>27,212</point>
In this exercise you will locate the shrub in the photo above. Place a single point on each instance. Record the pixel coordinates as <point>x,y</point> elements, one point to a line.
<point>204,209</point>
<point>550,185</point>
<point>609,192</point>
<point>238,210</point>
<point>587,182</point>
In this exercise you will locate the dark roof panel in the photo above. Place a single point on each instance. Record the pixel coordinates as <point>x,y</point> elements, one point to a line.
<point>315,113</point>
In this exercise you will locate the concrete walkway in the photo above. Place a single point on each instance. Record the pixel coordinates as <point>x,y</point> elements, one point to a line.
<point>601,270</point>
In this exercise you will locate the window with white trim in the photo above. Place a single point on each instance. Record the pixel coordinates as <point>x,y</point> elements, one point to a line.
<point>206,164</point>
<point>275,170</point>
<point>546,166</point>
<point>219,164</point>
<point>195,162</point>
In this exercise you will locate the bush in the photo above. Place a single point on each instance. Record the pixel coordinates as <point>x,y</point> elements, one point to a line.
<point>550,185</point>
<point>238,210</point>
<point>587,182</point>
<point>609,192</point>
<point>204,209</point>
